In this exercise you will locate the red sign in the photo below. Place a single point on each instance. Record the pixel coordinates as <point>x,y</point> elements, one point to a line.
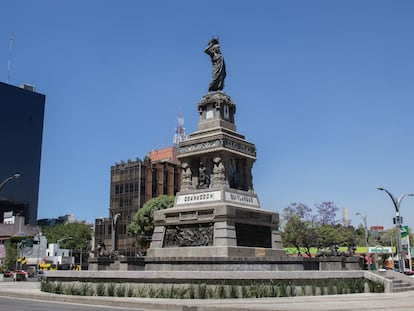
<point>376,228</point>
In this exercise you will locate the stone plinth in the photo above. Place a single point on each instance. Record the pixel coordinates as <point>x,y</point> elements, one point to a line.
<point>215,224</point>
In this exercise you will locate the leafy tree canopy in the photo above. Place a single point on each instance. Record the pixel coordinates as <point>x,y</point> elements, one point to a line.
<point>326,213</point>
<point>72,235</point>
<point>143,221</point>
<point>387,237</point>
<point>303,229</point>
<point>11,256</point>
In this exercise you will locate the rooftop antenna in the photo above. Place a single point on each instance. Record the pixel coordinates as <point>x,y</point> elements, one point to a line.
<point>10,54</point>
<point>180,134</point>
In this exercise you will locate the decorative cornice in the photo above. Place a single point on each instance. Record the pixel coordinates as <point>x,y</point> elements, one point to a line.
<point>217,99</point>
<point>217,143</point>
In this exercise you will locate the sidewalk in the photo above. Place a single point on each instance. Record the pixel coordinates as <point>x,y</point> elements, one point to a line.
<point>395,301</point>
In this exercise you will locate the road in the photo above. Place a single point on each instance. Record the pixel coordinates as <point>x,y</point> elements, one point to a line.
<point>16,304</point>
<point>11,294</point>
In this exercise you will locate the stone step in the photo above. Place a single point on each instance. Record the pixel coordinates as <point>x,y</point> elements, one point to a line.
<point>400,286</point>
<point>403,289</point>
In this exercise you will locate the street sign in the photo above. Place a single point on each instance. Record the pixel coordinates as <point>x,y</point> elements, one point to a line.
<point>380,250</point>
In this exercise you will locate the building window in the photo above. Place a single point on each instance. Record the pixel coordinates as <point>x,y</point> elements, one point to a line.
<point>165,181</point>
<point>154,182</point>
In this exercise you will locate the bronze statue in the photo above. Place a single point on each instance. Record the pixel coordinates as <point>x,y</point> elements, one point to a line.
<point>219,68</point>
<point>103,252</point>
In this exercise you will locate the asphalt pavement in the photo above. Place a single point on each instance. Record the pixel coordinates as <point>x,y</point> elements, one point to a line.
<point>369,301</point>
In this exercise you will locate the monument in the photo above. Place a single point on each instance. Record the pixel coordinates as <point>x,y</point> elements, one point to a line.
<point>216,222</point>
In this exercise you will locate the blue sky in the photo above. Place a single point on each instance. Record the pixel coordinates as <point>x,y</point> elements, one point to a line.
<point>323,88</point>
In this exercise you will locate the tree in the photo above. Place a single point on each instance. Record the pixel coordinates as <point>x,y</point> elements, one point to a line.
<point>348,236</point>
<point>142,224</point>
<point>73,235</point>
<point>327,236</point>
<point>290,234</point>
<point>327,213</point>
<point>305,230</point>
<point>11,255</point>
<point>297,210</point>
<point>299,229</point>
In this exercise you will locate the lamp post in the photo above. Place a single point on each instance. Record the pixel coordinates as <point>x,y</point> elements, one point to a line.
<point>81,253</point>
<point>113,233</point>
<point>398,224</point>
<point>38,251</point>
<point>4,182</point>
<point>64,239</point>
<point>61,240</point>
<point>364,219</point>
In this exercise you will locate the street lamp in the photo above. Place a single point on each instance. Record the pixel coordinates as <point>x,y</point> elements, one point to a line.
<point>114,223</point>
<point>61,240</point>
<point>64,239</point>
<point>398,224</point>
<point>81,250</point>
<point>38,251</point>
<point>4,182</point>
<point>364,219</point>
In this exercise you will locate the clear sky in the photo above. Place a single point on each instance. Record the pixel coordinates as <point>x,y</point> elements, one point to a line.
<point>324,89</point>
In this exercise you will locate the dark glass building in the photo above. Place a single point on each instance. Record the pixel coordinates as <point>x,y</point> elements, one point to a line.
<point>21,130</point>
<point>132,184</point>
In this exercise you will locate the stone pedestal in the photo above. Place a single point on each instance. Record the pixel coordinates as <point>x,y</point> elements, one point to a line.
<point>216,215</point>
<point>216,223</point>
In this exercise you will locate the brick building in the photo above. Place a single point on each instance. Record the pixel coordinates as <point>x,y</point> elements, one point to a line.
<point>132,184</point>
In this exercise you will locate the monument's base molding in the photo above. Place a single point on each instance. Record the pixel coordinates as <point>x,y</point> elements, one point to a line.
<point>282,263</point>
<point>208,252</point>
<point>234,263</point>
<point>229,264</point>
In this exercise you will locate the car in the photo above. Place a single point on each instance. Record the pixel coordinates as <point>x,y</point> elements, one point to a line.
<point>8,274</point>
<point>20,275</point>
<point>41,275</point>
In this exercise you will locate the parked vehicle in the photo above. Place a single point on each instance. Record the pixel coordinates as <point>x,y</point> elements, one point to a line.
<point>20,275</point>
<point>41,275</point>
<point>8,273</point>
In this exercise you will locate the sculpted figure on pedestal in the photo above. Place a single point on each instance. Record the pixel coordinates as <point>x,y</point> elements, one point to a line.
<point>219,173</point>
<point>219,68</point>
<point>186,177</point>
<point>203,178</point>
